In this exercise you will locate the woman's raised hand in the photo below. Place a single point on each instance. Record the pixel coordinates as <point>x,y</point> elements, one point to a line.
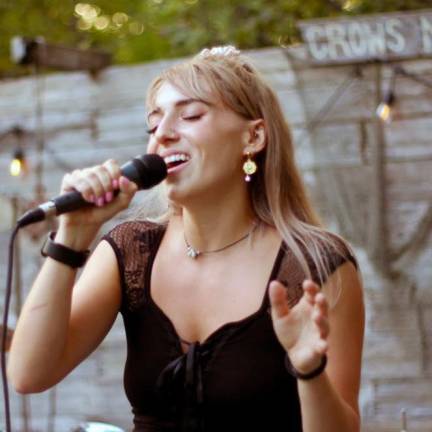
<point>303,329</point>
<point>97,185</point>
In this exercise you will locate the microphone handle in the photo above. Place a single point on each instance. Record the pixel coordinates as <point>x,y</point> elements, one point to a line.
<point>67,202</point>
<point>71,201</point>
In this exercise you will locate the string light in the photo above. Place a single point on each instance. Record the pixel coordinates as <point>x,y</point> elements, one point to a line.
<point>17,166</point>
<point>385,108</point>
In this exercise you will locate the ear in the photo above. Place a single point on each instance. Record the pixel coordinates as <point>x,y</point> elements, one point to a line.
<point>255,137</point>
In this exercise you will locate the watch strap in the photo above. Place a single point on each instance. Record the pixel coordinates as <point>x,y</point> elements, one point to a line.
<point>63,254</point>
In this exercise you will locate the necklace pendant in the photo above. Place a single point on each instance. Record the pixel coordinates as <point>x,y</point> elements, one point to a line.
<point>192,253</point>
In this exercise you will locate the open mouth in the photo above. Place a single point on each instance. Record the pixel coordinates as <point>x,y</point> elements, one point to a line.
<point>175,160</point>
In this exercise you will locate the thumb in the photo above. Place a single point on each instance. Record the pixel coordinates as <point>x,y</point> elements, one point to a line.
<point>127,186</point>
<point>127,191</point>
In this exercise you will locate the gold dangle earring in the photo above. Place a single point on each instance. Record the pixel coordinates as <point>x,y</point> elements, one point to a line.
<point>249,167</point>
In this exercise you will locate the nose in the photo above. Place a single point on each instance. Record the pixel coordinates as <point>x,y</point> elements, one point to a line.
<point>166,132</point>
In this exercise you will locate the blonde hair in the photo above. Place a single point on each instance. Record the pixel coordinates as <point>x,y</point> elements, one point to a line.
<point>277,191</point>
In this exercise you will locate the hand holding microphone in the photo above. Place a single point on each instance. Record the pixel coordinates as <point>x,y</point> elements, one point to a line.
<point>97,186</point>
<point>104,190</point>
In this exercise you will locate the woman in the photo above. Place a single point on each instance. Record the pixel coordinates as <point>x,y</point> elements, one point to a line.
<point>241,311</point>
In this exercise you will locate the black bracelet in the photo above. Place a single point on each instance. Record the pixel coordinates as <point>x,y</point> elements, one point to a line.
<point>305,376</point>
<point>63,254</point>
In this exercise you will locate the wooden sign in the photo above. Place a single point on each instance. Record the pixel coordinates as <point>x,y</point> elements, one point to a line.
<point>367,38</point>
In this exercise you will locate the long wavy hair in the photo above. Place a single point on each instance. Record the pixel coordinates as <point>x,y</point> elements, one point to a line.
<point>277,192</point>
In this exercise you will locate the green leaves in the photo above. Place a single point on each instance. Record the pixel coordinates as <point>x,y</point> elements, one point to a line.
<point>144,30</point>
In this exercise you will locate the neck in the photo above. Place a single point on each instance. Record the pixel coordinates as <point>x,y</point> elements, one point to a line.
<point>213,224</point>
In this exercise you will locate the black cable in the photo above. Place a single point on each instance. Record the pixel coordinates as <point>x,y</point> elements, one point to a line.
<point>5,327</point>
<point>401,71</point>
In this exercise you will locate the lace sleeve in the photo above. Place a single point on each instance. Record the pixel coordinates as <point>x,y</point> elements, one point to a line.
<point>292,275</point>
<point>133,243</point>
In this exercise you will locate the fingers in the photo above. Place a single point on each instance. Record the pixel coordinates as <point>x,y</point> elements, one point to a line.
<point>93,183</point>
<point>320,319</point>
<point>99,183</point>
<point>310,290</point>
<point>302,329</point>
<point>278,301</point>
<point>319,316</point>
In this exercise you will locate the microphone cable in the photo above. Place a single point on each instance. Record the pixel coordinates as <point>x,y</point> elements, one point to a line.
<point>8,292</point>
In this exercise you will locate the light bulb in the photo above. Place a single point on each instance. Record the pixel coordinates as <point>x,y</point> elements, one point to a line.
<point>18,165</point>
<point>384,112</point>
<point>384,109</point>
<point>15,167</point>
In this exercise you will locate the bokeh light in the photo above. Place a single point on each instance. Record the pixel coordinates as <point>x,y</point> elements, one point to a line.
<point>136,28</point>
<point>84,25</point>
<point>350,5</point>
<point>90,17</point>
<point>120,18</point>
<point>102,22</point>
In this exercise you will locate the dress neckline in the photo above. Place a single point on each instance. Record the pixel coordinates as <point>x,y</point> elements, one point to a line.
<point>265,304</point>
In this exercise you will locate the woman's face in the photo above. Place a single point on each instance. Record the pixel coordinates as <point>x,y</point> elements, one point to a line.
<point>202,143</point>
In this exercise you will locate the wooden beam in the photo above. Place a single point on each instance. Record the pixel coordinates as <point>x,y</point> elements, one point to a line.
<point>378,228</point>
<point>41,54</point>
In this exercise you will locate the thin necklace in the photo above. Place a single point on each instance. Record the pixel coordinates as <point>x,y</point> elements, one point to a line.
<point>194,253</point>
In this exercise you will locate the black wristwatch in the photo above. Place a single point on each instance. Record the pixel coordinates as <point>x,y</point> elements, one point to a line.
<point>63,254</point>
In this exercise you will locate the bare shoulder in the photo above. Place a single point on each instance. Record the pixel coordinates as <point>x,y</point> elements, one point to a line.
<point>101,273</point>
<point>347,320</point>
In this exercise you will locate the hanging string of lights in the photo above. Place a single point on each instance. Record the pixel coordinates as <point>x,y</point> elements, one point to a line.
<point>385,109</point>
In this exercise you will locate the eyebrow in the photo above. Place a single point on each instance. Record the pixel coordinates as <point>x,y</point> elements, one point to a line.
<point>180,103</point>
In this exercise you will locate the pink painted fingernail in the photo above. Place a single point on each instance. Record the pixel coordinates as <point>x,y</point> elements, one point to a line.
<point>108,196</point>
<point>100,202</point>
<point>115,184</point>
<point>92,198</point>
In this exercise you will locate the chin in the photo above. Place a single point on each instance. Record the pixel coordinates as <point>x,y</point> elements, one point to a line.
<point>182,193</point>
<point>177,194</point>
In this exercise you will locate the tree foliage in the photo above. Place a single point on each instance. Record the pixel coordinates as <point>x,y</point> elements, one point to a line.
<point>143,30</point>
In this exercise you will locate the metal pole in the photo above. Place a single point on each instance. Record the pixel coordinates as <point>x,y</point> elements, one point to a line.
<point>39,170</point>
<point>378,228</point>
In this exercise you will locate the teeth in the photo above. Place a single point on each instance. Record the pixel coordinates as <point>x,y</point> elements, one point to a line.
<point>176,158</point>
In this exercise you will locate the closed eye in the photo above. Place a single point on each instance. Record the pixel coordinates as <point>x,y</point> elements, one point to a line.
<point>188,118</point>
<point>152,130</point>
<point>194,117</point>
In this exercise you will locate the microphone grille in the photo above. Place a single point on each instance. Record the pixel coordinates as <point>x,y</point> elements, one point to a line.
<point>151,170</point>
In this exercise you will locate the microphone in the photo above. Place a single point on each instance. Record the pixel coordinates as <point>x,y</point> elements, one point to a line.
<point>146,171</point>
